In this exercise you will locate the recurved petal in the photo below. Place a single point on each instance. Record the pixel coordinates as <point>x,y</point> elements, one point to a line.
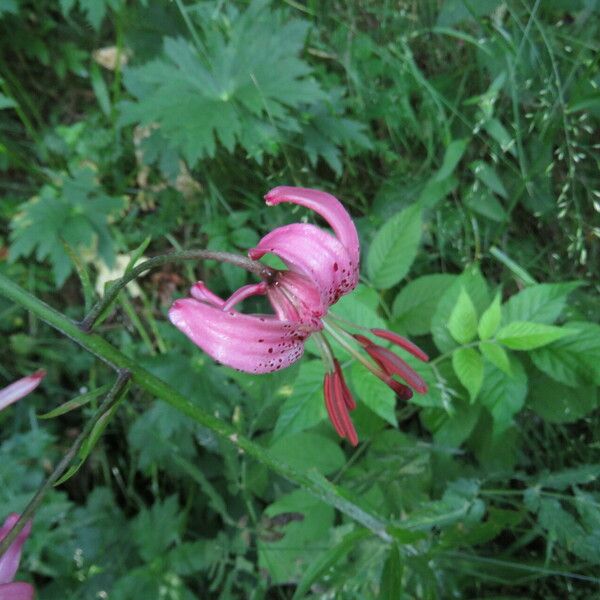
<point>16,591</point>
<point>9,561</point>
<point>324,204</point>
<point>251,343</point>
<point>314,253</point>
<point>20,388</point>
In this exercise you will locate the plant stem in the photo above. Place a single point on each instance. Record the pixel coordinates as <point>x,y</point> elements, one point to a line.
<point>253,266</point>
<point>62,466</point>
<point>311,480</point>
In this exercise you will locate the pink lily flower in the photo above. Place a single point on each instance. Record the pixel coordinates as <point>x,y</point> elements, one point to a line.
<point>9,563</point>
<point>321,268</point>
<point>20,388</point>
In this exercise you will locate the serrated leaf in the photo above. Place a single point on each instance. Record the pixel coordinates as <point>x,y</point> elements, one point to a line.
<point>522,335</point>
<point>503,395</point>
<point>468,366</point>
<point>241,89</point>
<point>462,322</point>
<point>415,305</point>
<point>394,248</point>
<point>496,354</point>
<point>490,319</point>
<point>574,360</point>
<point>475,285</point>
<point>541,303</point>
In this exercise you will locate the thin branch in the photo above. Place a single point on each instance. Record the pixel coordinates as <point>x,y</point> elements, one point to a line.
<point>63,465</point>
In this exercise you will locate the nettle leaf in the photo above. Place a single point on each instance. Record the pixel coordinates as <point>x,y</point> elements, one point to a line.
<point>496,354</point>
<point>394,248</point>
<point>241,87</point>
<point>462,323</point>
<point>574,360</point>
<point>75,209</point>
<point>540,303</point>
<point>468,366</point>
<point>415,305</point>
<point>521,335</point>
<point>503,395</point>
<point>303,448</point>
<point>490,319</point>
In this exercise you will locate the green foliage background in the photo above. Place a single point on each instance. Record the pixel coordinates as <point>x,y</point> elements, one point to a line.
<point>463,137</point>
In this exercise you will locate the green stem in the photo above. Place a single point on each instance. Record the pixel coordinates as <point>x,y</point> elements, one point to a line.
<point>62,466</point>
<point>310,480</point>
<point>113,291</point>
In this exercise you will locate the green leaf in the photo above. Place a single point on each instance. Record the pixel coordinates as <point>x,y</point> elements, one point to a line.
<point>76,402</point>
<point>390,586</point>
<point>324,562</point>
<point>541,303</point>
<point>475,285</point>
<point>557,403</point>
<point>488,176</point>
<point>454,152</point>
<point>561,480</point>
<point>482,201</point>
<point>521,335</point>
<point>304,406</point>
<point>373,393</point>
<point>75,210</point>
<point>574,360</point>
<point>468,366</point>
<point>301,449</point>
<point>496,354</point>
<point>503,395</point>
<point>462,322</point>
<point>490,319</point>
<point>415,305</point>
<point>245,85</point>
<point>451,430</point>
<point>394,248</point>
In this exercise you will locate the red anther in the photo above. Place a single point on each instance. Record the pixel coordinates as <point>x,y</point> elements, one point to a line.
<point>402,342</point>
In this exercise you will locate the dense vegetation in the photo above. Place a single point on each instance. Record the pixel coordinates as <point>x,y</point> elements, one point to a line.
<point>463,138</point>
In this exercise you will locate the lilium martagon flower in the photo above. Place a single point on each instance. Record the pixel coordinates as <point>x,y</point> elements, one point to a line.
<point>9,563</point>
<point>321,268</point>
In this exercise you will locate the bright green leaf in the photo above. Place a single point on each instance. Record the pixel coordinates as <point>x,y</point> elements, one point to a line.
<point>496,354</point>
<point>521,335</point>
<point>490,319</point>
<point>468,366</point>
<point>462,323</point>
<point>394,248</point>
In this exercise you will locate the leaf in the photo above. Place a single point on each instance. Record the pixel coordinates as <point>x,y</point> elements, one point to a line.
<point>474,284</point>
<point>390,586</point>
<point>503,395</point>
<point>490,319</point>
<point>302,449</point>
<point>304,406</point>
<point>374,394</point>
<point>415,305</point>
<point>574,360</point>
<point>496,354</point>
<point>76,402</point>
<point>521,335</point>
<point>488,176</point>
<point>468,366</point>
<point>561,480</point>
<point>451,430</point>
<point>246,84</point>
<point>324,562</point>
<point>541,303</point>
<point>77,210</point>
<point>482,201</point>
<point>557,403</point>
<point>454,152</point>
<point>462,322</point>
<point>394,248</point>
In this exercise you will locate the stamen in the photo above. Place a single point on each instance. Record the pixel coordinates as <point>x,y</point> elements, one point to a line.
<point>401,341</point>
<point>199,291</point>
<point>340,403</point>
<point>348,399</point>
<point>325,350</point>
<point>252,289</point>
<point>328,391</point>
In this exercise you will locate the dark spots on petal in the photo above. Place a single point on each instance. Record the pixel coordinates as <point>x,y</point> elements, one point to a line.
<point>261,341</point>
<point>335,266</point>
<point>270,350</point>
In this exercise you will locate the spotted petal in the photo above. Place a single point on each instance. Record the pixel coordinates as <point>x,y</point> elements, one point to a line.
<point>326,205</point>
<point>251,343</point>
<point>314,253</point>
